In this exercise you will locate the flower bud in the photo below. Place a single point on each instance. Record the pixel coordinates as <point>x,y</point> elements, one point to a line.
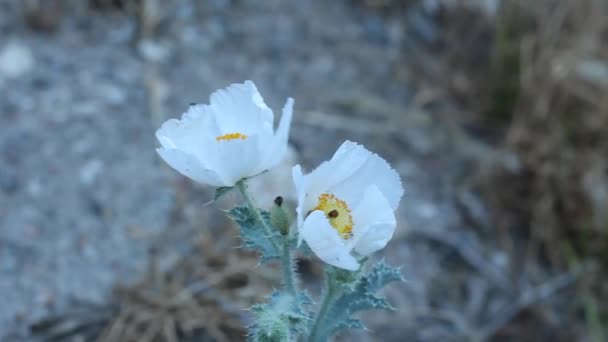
<point>279,217</point>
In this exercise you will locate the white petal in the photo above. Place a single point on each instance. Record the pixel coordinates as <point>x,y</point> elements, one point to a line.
<point>348,158</point>
<point>326,243</point>
<point>188,133</point>
<point>275,152</point>
<point>189,166</point>
<point>299,183</point>
<point>240,109</point>
<point>283,130</point>
<point>239,158</point>
<point>374,222</point>
<point>375,239</point>
<point>374,170</point>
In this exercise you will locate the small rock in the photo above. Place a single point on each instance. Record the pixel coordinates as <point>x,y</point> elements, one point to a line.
<point>112,94</point>
<point>90,171</point>
<point>34,188</point>
<point>152,51</point>
<point>15,60</point>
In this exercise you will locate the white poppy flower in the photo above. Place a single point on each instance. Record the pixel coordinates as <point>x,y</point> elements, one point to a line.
<point>347,205</point>
<point>227,140</point>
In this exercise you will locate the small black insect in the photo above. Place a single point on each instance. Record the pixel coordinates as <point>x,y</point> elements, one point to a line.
<point>333,214</point>
<point>278,201</point>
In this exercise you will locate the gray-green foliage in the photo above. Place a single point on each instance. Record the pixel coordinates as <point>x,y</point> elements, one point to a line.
<point>254,234</point>
<point>354,292</point>
<point>283,318</point>
<point>286,316</point>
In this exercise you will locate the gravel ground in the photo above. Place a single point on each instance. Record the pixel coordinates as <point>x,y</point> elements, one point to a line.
<point>82,194</point>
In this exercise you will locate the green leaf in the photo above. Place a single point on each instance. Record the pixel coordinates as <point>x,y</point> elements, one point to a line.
<point>254,235</point>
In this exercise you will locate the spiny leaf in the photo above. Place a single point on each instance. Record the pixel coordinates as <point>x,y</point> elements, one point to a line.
<point>254,235</point>
<point>278,320</point>
<point>304,298</point>
<point>358,296</point>
<point>381,275</point>
<point>351,323</point>
<point>221,191</point>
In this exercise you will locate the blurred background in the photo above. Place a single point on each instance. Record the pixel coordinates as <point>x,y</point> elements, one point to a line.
<point>494,112</point>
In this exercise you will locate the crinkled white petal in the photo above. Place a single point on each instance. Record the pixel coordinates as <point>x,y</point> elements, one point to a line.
<point>347,160</point>
<point>240,108</point>
<point>374,222</point>
<point>347,175</point>
<point>371,189</point>
<point>188,133</point>
<point>374,170</point>
<point>189,166</point>
<point>326,243</point>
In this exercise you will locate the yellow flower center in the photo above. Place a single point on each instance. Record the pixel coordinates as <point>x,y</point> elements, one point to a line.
<point>338,214</point>
<point>231,136</point>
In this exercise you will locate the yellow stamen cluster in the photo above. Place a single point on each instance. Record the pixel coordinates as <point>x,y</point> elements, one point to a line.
<point>231,136</point>
<point>338,214</point>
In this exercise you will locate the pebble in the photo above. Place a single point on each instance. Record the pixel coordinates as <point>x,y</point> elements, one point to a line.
<point>16,60</point>
<point>153,51</point>
<point>90,171</point>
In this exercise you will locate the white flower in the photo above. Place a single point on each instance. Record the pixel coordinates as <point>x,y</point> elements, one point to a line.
<point>230,139</point>
<point>347,204</point>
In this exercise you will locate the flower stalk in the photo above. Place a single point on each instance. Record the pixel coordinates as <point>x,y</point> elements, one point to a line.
<point>287,265</point>
<point>242,187</point>
<point>286,256</point>
<point>331,290</point>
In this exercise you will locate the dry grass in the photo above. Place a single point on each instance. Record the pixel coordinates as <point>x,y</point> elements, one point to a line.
<point>557,129</point>
<point>541,86</point>
<point>202,297</point>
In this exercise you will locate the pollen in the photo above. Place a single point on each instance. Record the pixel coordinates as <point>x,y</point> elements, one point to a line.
<point>231,136</point>
<point>338,214</point>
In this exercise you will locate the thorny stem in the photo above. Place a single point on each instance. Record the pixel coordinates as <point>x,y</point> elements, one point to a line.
<point>289,276</point>
<point>286,258</point>
<point>328,297</point>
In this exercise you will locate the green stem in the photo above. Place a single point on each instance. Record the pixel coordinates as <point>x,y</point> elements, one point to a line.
<point>289,277</point>
<point>258,216</point>
<point>287,261</point>
<point>328,297</point>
